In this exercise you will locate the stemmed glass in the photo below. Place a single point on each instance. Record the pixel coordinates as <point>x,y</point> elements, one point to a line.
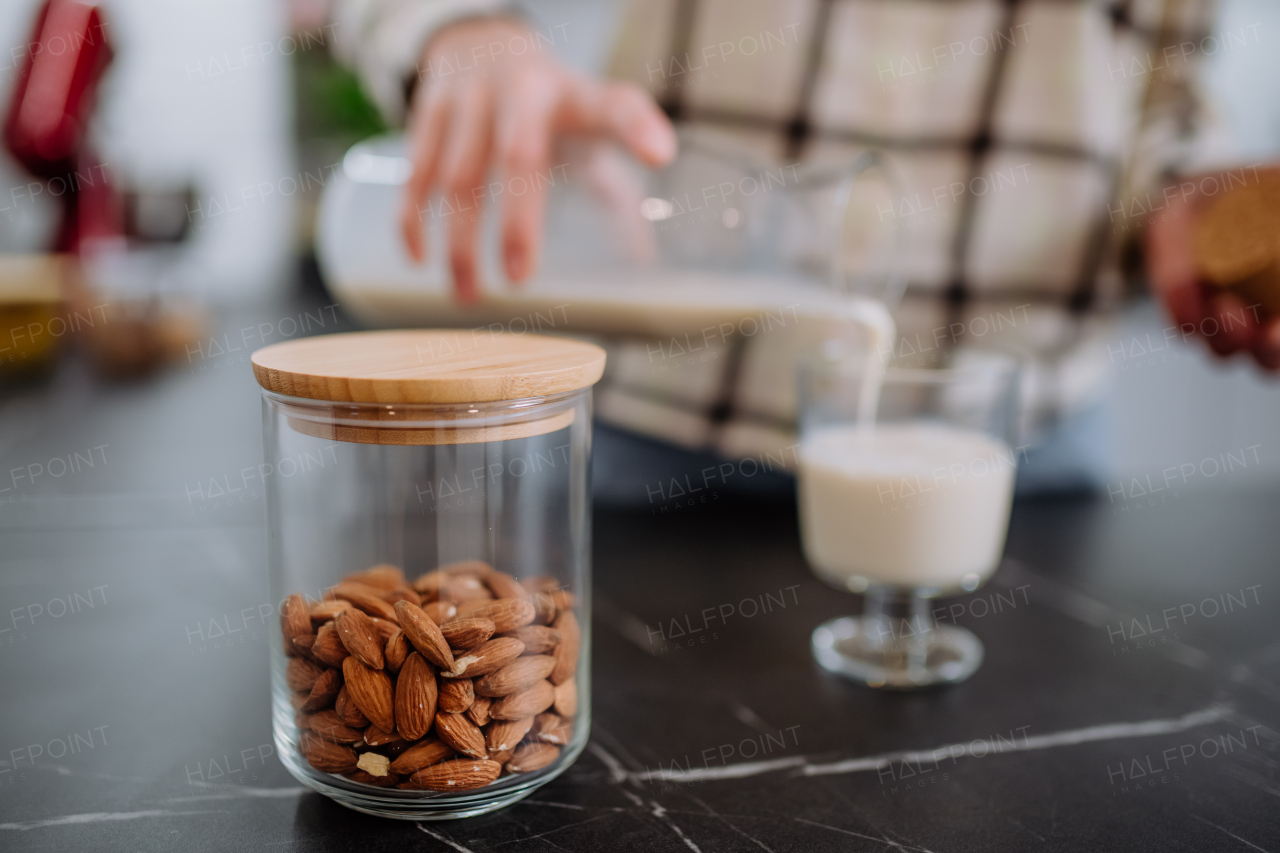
<point>905,486</point>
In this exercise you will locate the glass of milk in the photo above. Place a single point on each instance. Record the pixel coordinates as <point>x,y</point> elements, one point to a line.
<point>905,486</point>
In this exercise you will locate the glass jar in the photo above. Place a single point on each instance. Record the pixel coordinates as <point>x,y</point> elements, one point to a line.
<point>428,512</point>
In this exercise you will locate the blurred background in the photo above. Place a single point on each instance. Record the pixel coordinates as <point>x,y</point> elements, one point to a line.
<point>206,101</point>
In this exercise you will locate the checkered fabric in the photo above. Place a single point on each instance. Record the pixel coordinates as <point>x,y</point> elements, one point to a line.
<point>1026,132</point>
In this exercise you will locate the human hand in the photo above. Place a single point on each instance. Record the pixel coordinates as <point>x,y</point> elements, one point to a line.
<point>504,113</point>
<point>1221,317</point>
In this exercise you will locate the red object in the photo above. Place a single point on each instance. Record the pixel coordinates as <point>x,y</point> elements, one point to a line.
<point>50,109</point>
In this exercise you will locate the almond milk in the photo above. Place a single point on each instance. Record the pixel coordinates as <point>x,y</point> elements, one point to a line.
<point>904,504</point>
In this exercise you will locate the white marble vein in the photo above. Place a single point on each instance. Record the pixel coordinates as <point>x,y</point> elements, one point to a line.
<point>730,771</point>
<point>617,773</point>
<point>239,792</point>
<point>661,814</point>
<point>1078,606</point>
<point>750,718</point>
<point>444,840</point>
<point>552,831</point>
<point>80,774</point>
<point>628,627</point>
<point>756,841</point>
<point>1228,832</point>
<point>94,817</point>
<point>884,841</point>
<point>1070,737</point>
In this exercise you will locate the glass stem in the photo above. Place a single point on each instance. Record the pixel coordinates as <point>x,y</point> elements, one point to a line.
<point>919,633</point>
<point>879,620</point>
<point>899,627</point>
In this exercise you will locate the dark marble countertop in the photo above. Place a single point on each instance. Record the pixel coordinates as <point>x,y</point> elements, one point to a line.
<point>1130,698</point>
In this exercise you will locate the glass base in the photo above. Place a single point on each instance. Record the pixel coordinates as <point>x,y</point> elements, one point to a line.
<point>417,805</point>
<point>422,805</point>
<point>854,647</point>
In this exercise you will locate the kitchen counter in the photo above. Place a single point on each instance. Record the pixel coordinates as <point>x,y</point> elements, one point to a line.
<point>1130,697</point>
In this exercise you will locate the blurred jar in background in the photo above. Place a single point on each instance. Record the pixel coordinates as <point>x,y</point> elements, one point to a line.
<point>33,327</point>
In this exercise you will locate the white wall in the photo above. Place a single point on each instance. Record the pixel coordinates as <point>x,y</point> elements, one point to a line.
<point>169,113</point>
<point>168,116</point>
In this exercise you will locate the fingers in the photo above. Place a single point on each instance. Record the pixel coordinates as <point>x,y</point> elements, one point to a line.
<point>620,111</point>
<point>426,137</point>
<point>1227,324</point>
<point>1171,264</point>
<point>522,131</point>
<point>1266,349</point>
<point>463,164</point>
<point>1235,327</point>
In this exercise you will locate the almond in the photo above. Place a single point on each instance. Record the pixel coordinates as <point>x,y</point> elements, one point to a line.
<point>537,639</point>
<point>324,611</point>
<point>466,634</point>
<point>493,655</point>
<point>464,588</point>
<point>566,703</point>
<point>324,691</point>
<point>415,698</point>
<point>566,654</point>
<point>478,713</point>
<point>374,736</point>
<point>544,608</point>
<point>456,695</point>
<point>365,778</point>
<point>403,593</point>
<point>532,756</point>
<point>552,728</point>
<point>564,600</point>
<point>363,598</point>
<point>460,774</point>
<point>420,755</point>
<point>381,576</point>
<point>507,614</point>
<point>501,738</point>
<point>328,648</point>
<point>370,690</point>
<point>518,675</point>
<point>348,712</point>
<point>295,621</point>
<point>461,734</point>
<point>302,645</point>
<point>397,746</point>
<point>325,755</point>
<point>431,584</point>
<point>466,567</point>
<point>541,583</point>
<point>329,726</point>
<point>358,635</point>
<point>374,764</point>
<point>356,588</point>
<point>526,703</point>
<point>301,674</point>
<point>440,611</point>
<point>424,635</point>
<point>428,586</point>
<point>396,651</point>
<point>504,585</point>
<point>383,628</point>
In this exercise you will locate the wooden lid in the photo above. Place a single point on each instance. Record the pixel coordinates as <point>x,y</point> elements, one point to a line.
<point>427,366</point>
